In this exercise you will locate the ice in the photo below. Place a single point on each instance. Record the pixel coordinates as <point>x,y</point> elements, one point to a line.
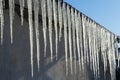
<point>49,7</point>
<point>83,52</point>
<point>1,20</point>
<point>81,43</point>
<point>77,21</point>
<point>55,25</point>
<point>89,42</point>
<point>29,3</point>
<point>11,14</point>
<point>36,16</point>
<point>73,35</point>
<point>60,20</point>
<point>43,8</point>
<point>97,49</point>
<point>65,36</point>
<point>70,39</point>
<point>22,4</point>
<point>83,38</point>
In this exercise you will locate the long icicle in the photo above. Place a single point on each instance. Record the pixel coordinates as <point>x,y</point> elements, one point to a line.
<point>65,36</point>
<point>89,39</point>
<point>29,3</point>
<point>44,23</point>
<point>11,14</point>
<point>84,35</point>
<point>113,54</point>
<point>73,34</point>
<point>22,4</point>
<point>36,15</point>
<point>98,44</point>
<point>49,7</point>
<point>2,20</point>
<point>56,27</point>
<point>70,39</point>
<point>77,21</point>
<point>81,42</point>
<point>60,19</point>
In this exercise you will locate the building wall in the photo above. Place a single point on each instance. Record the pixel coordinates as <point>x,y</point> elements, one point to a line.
<point>15,61</point>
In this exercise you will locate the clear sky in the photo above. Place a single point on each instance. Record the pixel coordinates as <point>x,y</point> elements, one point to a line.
<point>105,12</point>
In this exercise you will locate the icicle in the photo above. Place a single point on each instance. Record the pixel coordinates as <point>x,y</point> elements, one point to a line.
<point>113,55</point>
<point>22,4</point>
<point>36,15</point>
<point>11,13</point>
<point>2,20</point>
<point>73,34</point>
<point>70,42</point>
<point>60,20</point>
<point>65,36</point>
<point>81,42</point>
<point>96,48</point>
<point>77,21</point>
<point>97,51</point>
<point>89,39</point>
<point>29,3</point>
<point>84,40</point>
<point>43,8</point>
<point>109,55</point>
<point>49,7</point>
<point>93,50</point>
<point>55,25</point>
<point>103,46</point>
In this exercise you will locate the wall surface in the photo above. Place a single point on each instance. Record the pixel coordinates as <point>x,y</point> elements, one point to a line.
<point>93,58</point>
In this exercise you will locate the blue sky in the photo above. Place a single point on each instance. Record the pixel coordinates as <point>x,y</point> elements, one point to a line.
<point>105,12</point>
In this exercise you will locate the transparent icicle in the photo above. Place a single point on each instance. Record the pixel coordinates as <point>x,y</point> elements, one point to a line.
<point>56,27</point>
<point>103,46</point>
<point>29,3</point>
<point>80,42</point>
<point>73,35</point>
<point>77,21</point>
<point>96,48</point>
<point>65,36</point>
<point>93,52</point>
<point>44,24</point>
<point>36,16</point>
<point>49,7</point>
<point>60,19</point>
<point>1,20</point>
<point>109,54</point>
<point>84,40</point>
<point>70,39</point>
<point>11,14</point>
<point>90,43</point>
<point>86,43</point>
<point>98,43</point>
<point>113,55</point>
<point>22,4</point>
<point>106,57</point>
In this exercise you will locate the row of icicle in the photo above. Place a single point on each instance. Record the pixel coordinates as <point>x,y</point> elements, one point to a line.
<point>83,38</point>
